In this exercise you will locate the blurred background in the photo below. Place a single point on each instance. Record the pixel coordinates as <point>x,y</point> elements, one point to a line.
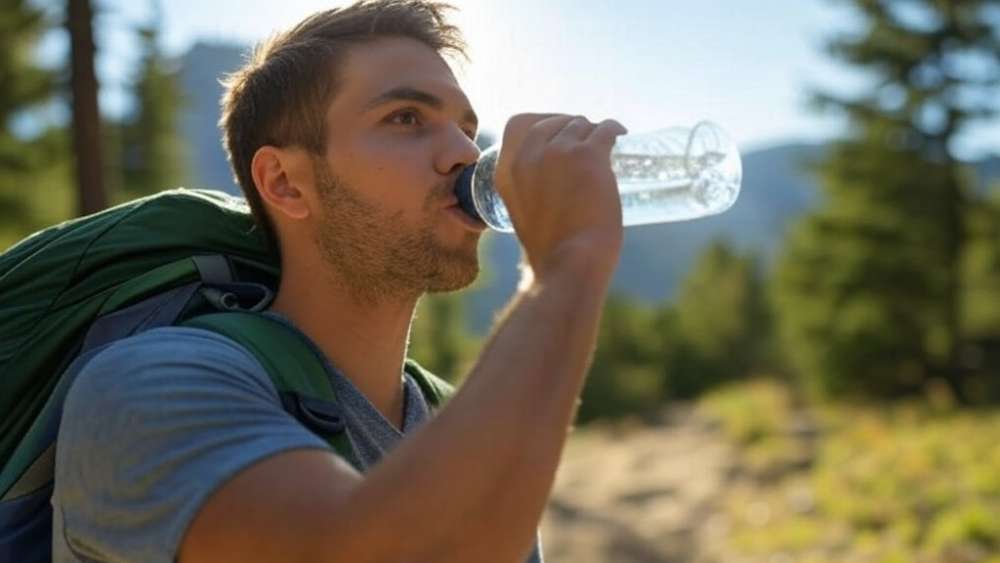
<point>811,376</point>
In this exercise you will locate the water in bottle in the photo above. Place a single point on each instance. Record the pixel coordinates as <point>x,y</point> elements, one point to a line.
<point>669,175</point>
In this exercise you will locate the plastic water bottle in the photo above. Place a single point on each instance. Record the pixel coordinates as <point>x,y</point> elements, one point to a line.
<point>669,175</point>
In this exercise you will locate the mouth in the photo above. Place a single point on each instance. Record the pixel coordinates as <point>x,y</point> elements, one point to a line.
<point>450,198</point>
<point>468,221</point>
<point>451,206</point>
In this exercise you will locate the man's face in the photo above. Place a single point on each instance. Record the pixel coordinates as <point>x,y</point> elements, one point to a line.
<point>399,131</point>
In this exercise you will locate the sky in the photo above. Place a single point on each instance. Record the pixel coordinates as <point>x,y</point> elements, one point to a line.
<point>748,66</point>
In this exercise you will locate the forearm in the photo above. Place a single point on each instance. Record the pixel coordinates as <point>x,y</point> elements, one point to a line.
<point>472,484</point>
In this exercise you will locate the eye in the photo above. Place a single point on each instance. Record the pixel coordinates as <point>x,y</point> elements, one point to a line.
<point>405,117</point>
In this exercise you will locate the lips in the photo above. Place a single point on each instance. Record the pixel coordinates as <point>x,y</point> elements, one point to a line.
<point>468,222</point>
<point>448,191</point>
<point>450,204</point>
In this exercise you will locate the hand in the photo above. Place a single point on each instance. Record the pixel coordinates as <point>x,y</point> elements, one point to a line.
<point>554,175</point>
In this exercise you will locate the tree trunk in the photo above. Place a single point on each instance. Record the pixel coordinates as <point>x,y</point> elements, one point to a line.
<point>86,117</point>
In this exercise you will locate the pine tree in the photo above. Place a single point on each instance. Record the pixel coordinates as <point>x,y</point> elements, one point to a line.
<point>152,151</point>
<point>869,288</point>
<point>626,376</point>
<point>25,84</point>
<point>719,328</point>
<point>24,88</point>
<point>981,305</point>
<point>722,312</point>
<point>981,269</point>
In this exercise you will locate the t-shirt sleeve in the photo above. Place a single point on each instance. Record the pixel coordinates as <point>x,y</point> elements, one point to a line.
<point>151,427</point>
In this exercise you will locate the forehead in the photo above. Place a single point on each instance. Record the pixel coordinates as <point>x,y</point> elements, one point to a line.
<point>378,66</point>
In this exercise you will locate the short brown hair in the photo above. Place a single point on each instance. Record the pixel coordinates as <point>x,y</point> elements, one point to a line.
<point>292,77</point>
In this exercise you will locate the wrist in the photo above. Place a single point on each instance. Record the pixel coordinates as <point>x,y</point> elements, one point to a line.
<point>590,263</point>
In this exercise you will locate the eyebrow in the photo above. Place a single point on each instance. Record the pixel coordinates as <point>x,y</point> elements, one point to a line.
<point>414,95</point>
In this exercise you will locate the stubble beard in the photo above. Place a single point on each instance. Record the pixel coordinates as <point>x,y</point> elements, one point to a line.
<point>377,256</point>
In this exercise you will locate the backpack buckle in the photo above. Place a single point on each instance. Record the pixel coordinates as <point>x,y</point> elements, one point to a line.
<point>232,296</point>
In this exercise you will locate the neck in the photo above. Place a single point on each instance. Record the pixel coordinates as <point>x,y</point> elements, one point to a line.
<point>364,338</point>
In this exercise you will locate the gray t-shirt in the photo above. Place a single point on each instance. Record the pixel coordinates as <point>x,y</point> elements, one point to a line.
<point>157,422</point>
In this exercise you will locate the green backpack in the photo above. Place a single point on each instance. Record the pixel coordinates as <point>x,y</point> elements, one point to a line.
<point>181,257</point>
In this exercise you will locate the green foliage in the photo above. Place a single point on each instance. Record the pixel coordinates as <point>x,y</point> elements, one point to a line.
<point>975,523</point>
<point>981,266</point>
<point>35,181</point>
<point>627,375</point>
<point>439,339</point>
<point>750,412</point>
<point>869,288</point>
<point>905,481</point>
<point>923,476</point>
<point>723,320</point>
<point>151,151</point>
<point>980,304</point>
<point>42,195</point>
<point>25,83</point>
<point>718,330</point>
<point>758,416</point>
<point>855,310</point>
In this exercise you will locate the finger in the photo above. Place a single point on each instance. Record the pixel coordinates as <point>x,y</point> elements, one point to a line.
<point>520,126</point>
<point>525,120</point>
<point>606,132</point>
<point>578,129</point>
<point>543,131</point>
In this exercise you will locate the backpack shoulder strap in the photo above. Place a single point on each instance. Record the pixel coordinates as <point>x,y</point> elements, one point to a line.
<point>293,367</point>
<point>437,391</point>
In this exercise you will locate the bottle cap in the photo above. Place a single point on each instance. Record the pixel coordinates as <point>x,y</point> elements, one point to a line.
<point>463,190</point>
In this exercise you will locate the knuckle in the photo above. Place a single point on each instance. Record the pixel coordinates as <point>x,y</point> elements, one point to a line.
<point>518,125</point>
<point>535,127</point>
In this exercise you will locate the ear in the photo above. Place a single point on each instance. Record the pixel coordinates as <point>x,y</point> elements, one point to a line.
<point>274,171</point>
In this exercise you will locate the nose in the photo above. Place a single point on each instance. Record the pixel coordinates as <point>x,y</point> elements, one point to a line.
<point>459,152</point>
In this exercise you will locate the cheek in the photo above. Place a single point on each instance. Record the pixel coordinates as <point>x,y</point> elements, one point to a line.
<point>392,173</point>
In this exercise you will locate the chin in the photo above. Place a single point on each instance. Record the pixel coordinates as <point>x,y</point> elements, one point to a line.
<point>455,278</point>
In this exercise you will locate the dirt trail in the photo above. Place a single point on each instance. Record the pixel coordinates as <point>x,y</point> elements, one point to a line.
<point>639,493</point>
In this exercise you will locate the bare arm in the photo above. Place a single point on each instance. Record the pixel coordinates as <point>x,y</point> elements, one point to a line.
<point>471,484</point>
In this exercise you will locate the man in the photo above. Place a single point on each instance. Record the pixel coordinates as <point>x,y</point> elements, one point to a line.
<point>347,134</point>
